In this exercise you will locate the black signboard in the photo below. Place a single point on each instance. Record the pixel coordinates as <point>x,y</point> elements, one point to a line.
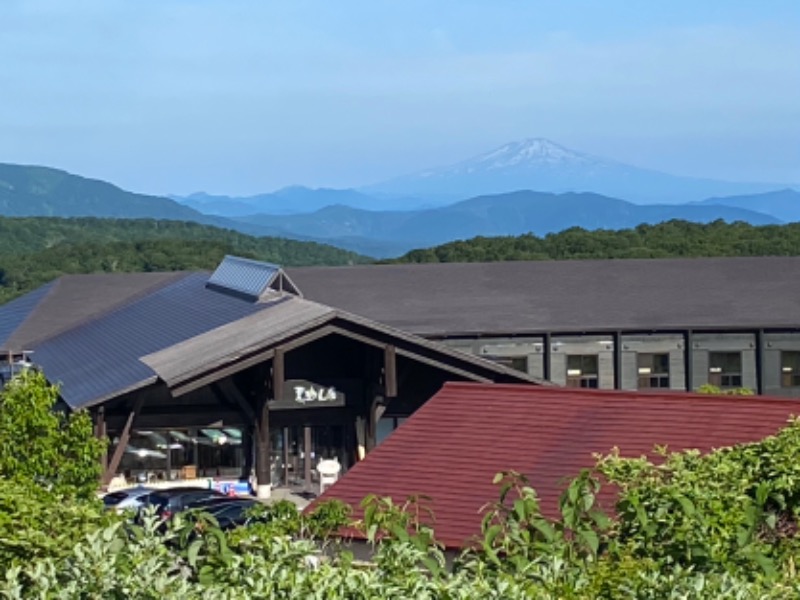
<point>300,393</point>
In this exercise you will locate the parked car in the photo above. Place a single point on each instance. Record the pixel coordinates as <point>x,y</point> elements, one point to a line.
<point>170,501</point>
<point>127,499</point>
<point>229,512</point>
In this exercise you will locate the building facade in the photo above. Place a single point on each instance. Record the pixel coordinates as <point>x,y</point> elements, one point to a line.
<point>674,324</point>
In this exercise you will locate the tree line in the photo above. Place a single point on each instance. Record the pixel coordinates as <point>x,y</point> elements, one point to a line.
<point>36,250</point>
<point>671,239</point>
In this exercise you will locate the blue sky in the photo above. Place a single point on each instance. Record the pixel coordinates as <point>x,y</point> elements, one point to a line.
<point>241,97</point>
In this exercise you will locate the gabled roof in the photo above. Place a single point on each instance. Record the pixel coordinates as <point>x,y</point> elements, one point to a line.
<point>564,296</point>
<point>452,447</point>
<point>99,358</point>
<point>100,336</point>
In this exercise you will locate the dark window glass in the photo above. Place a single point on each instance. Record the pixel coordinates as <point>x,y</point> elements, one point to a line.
<point>582,370</point>
<point>653,370</point>
<point>725,369</point>
<point>790,369</point>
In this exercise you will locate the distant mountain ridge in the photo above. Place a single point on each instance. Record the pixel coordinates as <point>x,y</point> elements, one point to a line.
<point>513,213</point>
<point>781,204</point>
<point>294,199</point>
<point>542,165</point>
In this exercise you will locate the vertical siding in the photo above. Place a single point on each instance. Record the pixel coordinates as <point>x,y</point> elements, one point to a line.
<point>630,371</point>
<point>775,343</point>
<point>558,368</point>
<point>605,368</point>
<point>677,370</point>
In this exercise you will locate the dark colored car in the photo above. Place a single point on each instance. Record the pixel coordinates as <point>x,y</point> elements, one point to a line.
<point>170,501</point>
<point>229,512</point>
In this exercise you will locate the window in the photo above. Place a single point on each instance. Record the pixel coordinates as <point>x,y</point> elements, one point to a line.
<point>790,369</point>
<point>582,370</point>
<point>725,369</point>
<point>653,370</point>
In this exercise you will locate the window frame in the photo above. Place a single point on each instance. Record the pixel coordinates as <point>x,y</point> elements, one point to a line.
<point>652,372</point>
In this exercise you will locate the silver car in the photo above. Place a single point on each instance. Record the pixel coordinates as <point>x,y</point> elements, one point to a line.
<point>127,499</point>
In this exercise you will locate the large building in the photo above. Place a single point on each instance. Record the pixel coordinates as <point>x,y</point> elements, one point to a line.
<point>626,324</point>
<point>225,374</point>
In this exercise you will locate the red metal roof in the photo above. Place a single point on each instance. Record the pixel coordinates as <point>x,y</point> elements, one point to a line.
<point>452,447</point>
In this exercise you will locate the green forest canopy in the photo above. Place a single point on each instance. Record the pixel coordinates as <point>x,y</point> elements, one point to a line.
<point>666,240</point>
<point>36,250</point>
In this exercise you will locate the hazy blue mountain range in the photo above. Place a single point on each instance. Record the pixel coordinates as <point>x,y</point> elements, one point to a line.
<point>295,199</point>
<point>40,191</point>
<point>781,204</point>
<point>32,191</point>
<point>542,165</point>
<point>492,215</point>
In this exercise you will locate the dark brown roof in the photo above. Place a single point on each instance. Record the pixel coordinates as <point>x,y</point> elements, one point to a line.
<point>452,447</point>
<point>564,296</point>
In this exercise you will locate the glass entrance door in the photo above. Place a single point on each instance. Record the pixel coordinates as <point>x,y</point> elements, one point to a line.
<point>296,450</point>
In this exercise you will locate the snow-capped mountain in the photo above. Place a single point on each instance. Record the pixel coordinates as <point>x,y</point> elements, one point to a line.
<point>542,165</point>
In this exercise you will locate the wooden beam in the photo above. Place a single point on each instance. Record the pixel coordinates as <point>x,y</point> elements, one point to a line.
<point>278,374</point>
<point>202,380</point>
<point>173,420</point>
<point>101,434</point>
<point>688,359</point>
<point>116,458</point>
<point>307,457</point>
<point>228,389</point>
<point>617,337</point>
<point>390,371</point>
<point>263,466</point>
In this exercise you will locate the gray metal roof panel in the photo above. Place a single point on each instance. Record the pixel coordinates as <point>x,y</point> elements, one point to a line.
<point>75,299</point>
<point>562,296</point>
<point>101,357</point>
<point>244,276</point>
<point>15,314</point>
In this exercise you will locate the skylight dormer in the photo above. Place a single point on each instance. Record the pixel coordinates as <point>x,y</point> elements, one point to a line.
<point>250,279</point>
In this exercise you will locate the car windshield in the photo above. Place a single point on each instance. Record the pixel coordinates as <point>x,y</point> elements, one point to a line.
<point>114,498</point>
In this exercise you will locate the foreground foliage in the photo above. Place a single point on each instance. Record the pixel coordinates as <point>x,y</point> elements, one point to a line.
<point>40,445</point>
<point>722,525</point>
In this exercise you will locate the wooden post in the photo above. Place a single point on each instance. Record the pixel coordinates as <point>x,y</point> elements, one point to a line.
<point>286,456</point>
<point>617,337</point>
<point>307,457</point>
<point>264,487</point>
<point>390,371</point>
<point>100,433</point>
<point>124,436</point>
<point>688,359</point>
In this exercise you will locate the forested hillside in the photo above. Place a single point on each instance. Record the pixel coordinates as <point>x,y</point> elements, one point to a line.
<point>36,250</point>
<point>665,240</point>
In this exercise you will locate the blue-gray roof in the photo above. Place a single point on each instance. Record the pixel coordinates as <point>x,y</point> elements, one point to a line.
<point>250,278</point>
<point>101,358</point>
<point>18,311</point>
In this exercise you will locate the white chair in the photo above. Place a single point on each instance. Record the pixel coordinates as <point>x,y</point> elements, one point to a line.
<point>328,470</point>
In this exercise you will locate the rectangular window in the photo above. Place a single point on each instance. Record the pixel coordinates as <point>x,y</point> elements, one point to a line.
<point>582,370</point>
<point>653,370</point>
<point>790,369</point>
<point>725,369</point>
